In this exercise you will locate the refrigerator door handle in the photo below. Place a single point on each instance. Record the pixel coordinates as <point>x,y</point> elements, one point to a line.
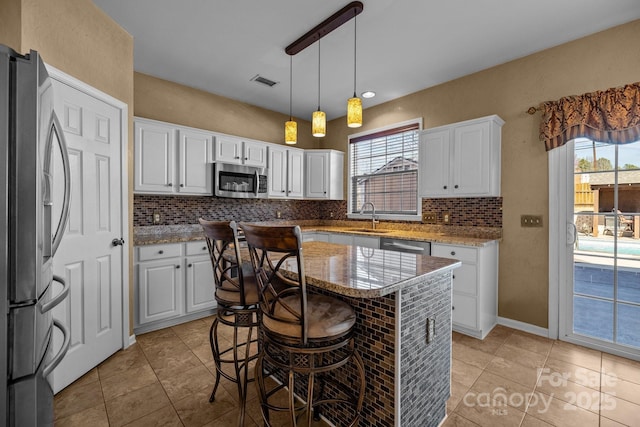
<point>64,217</point>
<point>58,298</point>
<point>61,353</point>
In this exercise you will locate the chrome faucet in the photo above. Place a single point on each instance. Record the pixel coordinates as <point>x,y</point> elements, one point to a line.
<point>374,221</point>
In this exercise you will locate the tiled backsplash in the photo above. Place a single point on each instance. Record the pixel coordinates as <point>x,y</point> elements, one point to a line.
<point>467,212</point>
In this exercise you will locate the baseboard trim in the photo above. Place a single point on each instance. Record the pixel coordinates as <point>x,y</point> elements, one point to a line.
<point>522,326</point>
<point>132,339</point>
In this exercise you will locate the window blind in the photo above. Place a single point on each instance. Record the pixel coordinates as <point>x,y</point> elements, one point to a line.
<point>384,170</point>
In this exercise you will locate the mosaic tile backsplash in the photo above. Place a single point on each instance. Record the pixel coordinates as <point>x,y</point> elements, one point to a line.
<point>177,210</point>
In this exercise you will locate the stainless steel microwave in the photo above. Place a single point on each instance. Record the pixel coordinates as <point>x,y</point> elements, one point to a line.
<point>239,181</point>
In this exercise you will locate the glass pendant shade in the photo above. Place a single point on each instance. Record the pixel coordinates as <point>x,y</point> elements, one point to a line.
<point>290,132</point>
<point>319,124</point>
<point>354,112</point>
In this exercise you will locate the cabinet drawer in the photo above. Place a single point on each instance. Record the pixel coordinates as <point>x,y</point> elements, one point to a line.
<point>168,250</point>
<point>462,253</point>
<point>197,248</point>
<point>464,310</point>
<point>465,279</point>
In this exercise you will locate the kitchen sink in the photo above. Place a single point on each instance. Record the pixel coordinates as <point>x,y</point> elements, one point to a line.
<point>368,230</point>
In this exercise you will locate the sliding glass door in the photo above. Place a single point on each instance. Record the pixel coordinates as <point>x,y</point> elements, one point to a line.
<point>598,210</point>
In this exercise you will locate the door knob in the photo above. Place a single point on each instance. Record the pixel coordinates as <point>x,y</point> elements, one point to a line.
<point>117,242</point>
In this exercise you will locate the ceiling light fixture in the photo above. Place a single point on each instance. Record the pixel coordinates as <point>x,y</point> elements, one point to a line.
<point>319,118</point>
<point>368,94</point>
<point>354,104</point>
<point>342,16</point>
<point>290,127</point>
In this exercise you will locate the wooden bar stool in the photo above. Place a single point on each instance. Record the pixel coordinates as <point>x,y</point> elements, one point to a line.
<point>307,336</point>
<point>237,299</point>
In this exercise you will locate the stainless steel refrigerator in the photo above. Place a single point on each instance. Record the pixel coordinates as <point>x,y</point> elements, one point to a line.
<point>32,224</point>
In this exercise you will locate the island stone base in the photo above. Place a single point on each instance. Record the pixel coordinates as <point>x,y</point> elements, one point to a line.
<point>408,379</point>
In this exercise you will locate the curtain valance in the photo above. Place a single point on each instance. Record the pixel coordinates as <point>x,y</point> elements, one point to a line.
<point>611,116</point>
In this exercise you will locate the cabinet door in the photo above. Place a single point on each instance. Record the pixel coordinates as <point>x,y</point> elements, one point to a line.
<point>295,173</point>
<point>277,172</point>
<point>228,149</point>
<point>200,288</point>
<point>154,154</point>
<point>195,171</point>
<point>464,311</point>
<point>317,167</point>
<point>160,290</point>
<point>255,154</point>
<point>435,163</point>
<point>471,159</point>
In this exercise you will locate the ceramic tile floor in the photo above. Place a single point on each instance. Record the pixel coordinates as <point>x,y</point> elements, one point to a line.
<point>165,380</point>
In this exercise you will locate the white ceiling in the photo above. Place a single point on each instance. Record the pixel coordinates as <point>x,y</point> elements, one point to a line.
<point>403,45</point>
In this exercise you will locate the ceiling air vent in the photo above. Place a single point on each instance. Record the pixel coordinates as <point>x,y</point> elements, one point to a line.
<point>259,79</point>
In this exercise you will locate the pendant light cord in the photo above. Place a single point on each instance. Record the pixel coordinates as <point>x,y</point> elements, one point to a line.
<point>355,52</point>
<point>318,74</point>
<point>290,86</point>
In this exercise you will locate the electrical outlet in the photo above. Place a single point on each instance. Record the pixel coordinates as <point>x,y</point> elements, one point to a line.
<point>531,220</point>
<point>446,217</point>
<point>429,218</point>
<point>278,214</point>
<point>156,217</point>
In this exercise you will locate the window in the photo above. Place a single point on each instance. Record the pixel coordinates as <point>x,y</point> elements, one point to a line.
<point>384,170</point>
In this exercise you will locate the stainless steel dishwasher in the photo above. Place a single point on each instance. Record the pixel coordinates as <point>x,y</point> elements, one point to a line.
<point>408,246</point>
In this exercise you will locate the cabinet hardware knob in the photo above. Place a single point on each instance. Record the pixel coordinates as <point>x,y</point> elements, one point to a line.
<point>236,157</point>
<point>453,252</point>
<point>160,252</point>
<point>454,276</point>
<point>246,158</point>
<point>445,187</point>
<point>455,186</point>
<point>453,308</point>
<point>177,266</point>
<point>189,265</point>
<point>204,248</point>
<point>325,192</point>
<point>181,185</point>
<point>170,184</point>
<point>283,191</point>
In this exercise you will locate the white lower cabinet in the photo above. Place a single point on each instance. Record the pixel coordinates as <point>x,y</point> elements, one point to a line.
<point>475,287</point>
<point>173,283</point>
<point>342,239</point>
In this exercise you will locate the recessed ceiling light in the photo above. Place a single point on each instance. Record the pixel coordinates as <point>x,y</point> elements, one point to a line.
<point>368,94</point>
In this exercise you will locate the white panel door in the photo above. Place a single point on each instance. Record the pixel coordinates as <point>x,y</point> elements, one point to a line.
<point>86,258</point>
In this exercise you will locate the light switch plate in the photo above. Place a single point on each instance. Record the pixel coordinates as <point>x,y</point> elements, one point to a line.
<point>429,218</point>
<point>531,220</point>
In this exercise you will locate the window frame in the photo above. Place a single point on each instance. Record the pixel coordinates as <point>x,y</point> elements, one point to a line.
<point>392,217</point>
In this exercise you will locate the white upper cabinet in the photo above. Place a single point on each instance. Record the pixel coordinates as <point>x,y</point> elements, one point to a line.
<point>171,159</point>
<point>286,172</point>
<point>194,153</point>
<point>154,154</point>
<point>324,174</point>
<point>461,159</point>
<point>234,150</point>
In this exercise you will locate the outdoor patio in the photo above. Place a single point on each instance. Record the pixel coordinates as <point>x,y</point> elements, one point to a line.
<point>594,275</point>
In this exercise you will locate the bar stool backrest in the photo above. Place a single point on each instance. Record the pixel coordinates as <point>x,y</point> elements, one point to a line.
<point>283,294</point>
<point>222,241</point>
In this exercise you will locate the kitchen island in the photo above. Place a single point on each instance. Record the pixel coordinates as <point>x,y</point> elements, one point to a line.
<point>403,307</point>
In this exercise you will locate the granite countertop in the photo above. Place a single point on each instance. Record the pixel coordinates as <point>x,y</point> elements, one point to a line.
<point>361,272</point>
<point>153,235</point>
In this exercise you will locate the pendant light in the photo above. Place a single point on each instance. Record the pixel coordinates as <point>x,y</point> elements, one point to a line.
<point>290,127</point>
<point>319,118</point>
<point>354,105</point>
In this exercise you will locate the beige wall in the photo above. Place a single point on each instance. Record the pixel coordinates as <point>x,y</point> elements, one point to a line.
<point>175,103</point>
<point>600,61</point>
<point>81,40</point>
